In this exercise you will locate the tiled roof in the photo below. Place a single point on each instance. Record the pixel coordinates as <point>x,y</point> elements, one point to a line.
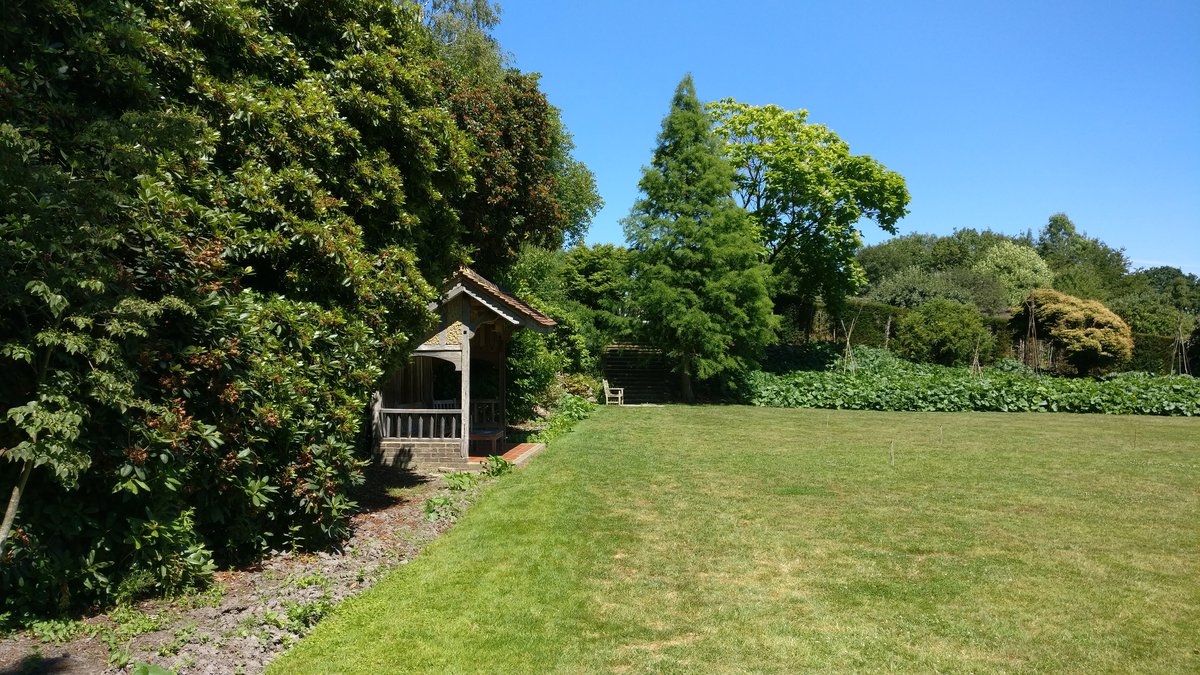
<point>469,275</point>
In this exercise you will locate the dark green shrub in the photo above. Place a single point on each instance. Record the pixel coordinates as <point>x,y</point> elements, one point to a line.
<point>986,291</point>
<point>584,386</point>
<point>873,324</point>
<point>945,332</point>
<point>531,368</point>
<point>809,355</point>
<point>218,227</point>
<point>1152,353</point>
<point>1002,338</point>
<point>1147,313</point>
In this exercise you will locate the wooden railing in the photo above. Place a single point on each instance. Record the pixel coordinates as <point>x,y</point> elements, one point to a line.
<point>420,423</point>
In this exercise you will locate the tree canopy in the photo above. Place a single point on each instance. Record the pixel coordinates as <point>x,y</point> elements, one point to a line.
<point>1082,266</point>
<point>807,194</point>
<point>698,274</point>
<point>222,222</point>
<point>1018,268</point>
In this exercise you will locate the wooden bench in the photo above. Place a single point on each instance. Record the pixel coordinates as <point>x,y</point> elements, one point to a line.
<point>488,433</point>
<point>613,394</point>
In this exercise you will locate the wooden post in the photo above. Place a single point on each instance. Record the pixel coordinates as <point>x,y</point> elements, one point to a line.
<point>502,350</point>
<point>465,381</point>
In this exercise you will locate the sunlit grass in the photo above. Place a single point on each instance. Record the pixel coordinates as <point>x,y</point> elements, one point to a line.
<point>749,539</point>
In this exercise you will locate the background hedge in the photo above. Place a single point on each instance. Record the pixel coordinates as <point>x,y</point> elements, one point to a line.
<point>880,381</point>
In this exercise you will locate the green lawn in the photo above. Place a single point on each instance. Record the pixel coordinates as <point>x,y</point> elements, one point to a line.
<point>755,539</point>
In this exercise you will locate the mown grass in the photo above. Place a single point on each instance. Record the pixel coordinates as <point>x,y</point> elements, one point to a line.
<point>747,539</point>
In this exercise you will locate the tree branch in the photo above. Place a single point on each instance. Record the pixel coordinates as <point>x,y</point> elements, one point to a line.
<point>14,502</point>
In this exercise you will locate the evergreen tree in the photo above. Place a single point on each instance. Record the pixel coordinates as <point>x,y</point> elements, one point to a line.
<point>698,274</point>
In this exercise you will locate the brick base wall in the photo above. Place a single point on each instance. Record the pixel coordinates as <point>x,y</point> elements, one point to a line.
<point>420,456</point>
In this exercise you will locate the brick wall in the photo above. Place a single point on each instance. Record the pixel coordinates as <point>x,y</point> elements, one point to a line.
<point>420,456</point>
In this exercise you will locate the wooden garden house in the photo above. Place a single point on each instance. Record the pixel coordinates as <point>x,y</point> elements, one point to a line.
<point>448,403</point>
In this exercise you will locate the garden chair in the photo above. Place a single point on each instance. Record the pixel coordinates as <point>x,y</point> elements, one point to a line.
<point>613,394</point>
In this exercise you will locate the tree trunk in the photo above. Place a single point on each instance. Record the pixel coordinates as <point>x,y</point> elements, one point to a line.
<point>685,384</point>
<point>14,502</point>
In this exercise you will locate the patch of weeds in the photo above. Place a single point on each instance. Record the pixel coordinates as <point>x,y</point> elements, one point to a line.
<point>181,638</point>
<point>57,630</point>
<point>150,669</point>
<point>461,481</point>
<point>274,619</point>
<point>310,580</point>
<point>258,626</point>
<point>209,597</point>
<point>496,466</point>
<point>128,624</point>
<point>119,657</point>
<point>302,616</point>
<point>400,492</point>
<point>140,584</point>
<point>131,623</point>
<point>440,507</point>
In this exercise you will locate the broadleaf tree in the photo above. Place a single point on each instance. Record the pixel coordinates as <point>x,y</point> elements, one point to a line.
<point>698,271</point>
<point>807,194</point>
<point>1018,268</point>
<point>220,224</point>
<point>1083,266</point>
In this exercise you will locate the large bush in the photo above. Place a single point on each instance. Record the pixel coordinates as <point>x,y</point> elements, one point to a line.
<point>216,229</point>
<point>1090,336</point>
<point>943,331</point>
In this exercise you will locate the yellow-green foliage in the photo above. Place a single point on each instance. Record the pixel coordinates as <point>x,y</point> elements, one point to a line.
<point>1090,335</point>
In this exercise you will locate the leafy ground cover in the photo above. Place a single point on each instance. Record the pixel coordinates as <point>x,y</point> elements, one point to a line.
<point>878,380</point>
<point>731,539</point>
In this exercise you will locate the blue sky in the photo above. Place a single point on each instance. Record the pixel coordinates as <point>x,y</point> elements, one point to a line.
<point>997,114</point>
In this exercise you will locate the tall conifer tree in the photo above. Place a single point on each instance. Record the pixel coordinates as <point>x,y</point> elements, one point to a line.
<point>698,272</point>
